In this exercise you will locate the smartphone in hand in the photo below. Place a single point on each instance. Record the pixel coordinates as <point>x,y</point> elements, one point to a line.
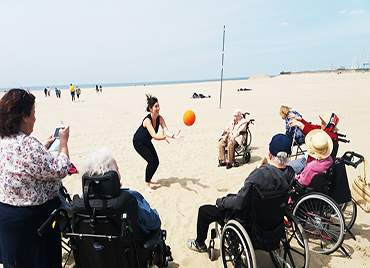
<point>56,132</point>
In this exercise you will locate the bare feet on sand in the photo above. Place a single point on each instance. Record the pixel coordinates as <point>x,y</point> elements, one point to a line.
<point>148,188</point>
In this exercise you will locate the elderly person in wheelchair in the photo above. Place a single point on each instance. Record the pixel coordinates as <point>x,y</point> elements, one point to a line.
<point>319,147</point>
<point>329,123</point>
<point>102,161</point>
<point>274,177</point>
<point>113,227</point>
<point>231,137</point>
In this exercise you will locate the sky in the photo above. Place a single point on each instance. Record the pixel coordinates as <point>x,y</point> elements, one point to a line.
<point>59,42</point>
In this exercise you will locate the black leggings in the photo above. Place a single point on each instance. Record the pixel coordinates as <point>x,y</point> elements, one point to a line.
<point>148,152</point>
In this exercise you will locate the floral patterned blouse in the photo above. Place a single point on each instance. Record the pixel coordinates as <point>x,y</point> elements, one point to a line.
<point>29,174</point>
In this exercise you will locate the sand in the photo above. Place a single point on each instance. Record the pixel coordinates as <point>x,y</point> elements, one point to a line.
<point>188,174</point>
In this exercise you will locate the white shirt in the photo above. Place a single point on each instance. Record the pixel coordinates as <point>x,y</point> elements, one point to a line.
<point>29,174</point>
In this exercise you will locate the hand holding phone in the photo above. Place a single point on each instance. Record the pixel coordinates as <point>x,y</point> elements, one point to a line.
<point>56,132</point>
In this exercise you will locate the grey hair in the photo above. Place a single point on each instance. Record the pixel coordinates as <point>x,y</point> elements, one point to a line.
<point>99,162</point>
<point>282,158</point>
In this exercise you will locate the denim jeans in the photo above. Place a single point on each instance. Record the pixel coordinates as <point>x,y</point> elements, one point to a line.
<point>298,164</point>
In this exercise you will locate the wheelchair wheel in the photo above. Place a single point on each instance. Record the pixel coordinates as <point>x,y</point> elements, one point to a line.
<point>349,210</point>
<point>322,220</point>
<point>292,252</point>
<point>236,246</point>
<point>246,156</point>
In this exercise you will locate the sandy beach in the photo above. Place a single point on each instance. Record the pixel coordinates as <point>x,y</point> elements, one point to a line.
<point>188,174</point>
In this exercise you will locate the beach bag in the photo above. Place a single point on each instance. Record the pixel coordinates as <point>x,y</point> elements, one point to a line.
<point>360,189</point>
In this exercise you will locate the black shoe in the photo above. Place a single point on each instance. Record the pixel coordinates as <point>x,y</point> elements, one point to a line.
<point>229,165</point>
<point>222,163</point>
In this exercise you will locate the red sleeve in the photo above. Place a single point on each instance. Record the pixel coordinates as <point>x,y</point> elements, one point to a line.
<point>308,127</point>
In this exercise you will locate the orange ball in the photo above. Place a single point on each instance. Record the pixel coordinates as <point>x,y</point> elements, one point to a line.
<point>189,118</point>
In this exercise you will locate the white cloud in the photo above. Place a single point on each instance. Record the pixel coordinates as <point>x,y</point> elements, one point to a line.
<point>284,24</point>
<point>355,12</point>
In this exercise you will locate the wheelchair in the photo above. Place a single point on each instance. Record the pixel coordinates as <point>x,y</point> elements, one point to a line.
<point>104,230</point>
<point>326,209</point>
<point>239,238</point>
<point>243,152</point>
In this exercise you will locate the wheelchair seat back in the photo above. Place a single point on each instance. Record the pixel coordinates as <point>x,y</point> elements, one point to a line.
<point>267,214</point>
<point>320,182</point>
<point>339,188</point>
<point>105,226</point>
<point>334,182</point>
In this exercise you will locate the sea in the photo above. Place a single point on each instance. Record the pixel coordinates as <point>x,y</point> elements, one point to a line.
<point>66,86</point>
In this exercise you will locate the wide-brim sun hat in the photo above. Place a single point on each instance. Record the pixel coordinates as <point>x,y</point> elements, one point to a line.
<point>326,118</point>
<point>319,145</point>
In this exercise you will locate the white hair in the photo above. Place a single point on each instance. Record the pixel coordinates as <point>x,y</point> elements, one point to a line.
<point>282,158</point>
<point>100,161</point>
<point>237,111</point>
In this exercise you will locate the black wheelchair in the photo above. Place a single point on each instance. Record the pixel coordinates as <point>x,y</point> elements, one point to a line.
<point>104,231</point>
<point>262,228</point>
<point>243,152</point>
<point>326,209</point>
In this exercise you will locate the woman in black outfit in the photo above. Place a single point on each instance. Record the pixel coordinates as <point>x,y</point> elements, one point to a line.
<point>147,131</point>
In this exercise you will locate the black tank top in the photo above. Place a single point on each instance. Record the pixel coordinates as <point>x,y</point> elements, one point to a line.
<point>142,134</point>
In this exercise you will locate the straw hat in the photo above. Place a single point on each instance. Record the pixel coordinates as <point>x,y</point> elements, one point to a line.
<point>326,118</point>
<point>319,144</point>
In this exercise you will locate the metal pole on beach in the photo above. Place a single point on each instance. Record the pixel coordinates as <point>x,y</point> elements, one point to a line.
<point>222,62</point>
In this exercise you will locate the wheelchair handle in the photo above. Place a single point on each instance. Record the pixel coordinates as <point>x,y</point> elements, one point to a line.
<point>348,158</point>
<point>124,224</point>
<point>51,218</point>
<point>342,140</point>
<point>41,230</point>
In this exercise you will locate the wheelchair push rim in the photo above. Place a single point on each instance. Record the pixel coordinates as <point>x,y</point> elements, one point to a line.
<point>236,247</point>
<point>322,220</point>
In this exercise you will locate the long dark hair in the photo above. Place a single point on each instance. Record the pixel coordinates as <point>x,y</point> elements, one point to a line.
<point>14,105</point>
<point>150,101</point>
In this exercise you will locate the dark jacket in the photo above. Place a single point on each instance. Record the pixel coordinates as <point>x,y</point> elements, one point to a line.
<point>267,178</point>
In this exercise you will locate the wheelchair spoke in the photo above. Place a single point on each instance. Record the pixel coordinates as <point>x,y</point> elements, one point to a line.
<point>293,251</point>
<point>234,251</point>
<point>322,221</point>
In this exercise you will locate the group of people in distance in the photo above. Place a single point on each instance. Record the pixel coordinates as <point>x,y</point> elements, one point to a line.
<point>30,176</point>
<point>74,92</point>
<point>97,89</point>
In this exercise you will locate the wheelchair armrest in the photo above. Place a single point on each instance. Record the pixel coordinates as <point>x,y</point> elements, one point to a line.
<point>298,188</point>
<point>152,239</point>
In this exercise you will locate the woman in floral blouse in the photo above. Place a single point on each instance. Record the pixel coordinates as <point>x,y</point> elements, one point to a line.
<point>30,177</point>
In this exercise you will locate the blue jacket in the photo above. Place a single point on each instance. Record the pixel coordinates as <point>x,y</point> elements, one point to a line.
<point>148,219</point>
<point>299,137</point>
